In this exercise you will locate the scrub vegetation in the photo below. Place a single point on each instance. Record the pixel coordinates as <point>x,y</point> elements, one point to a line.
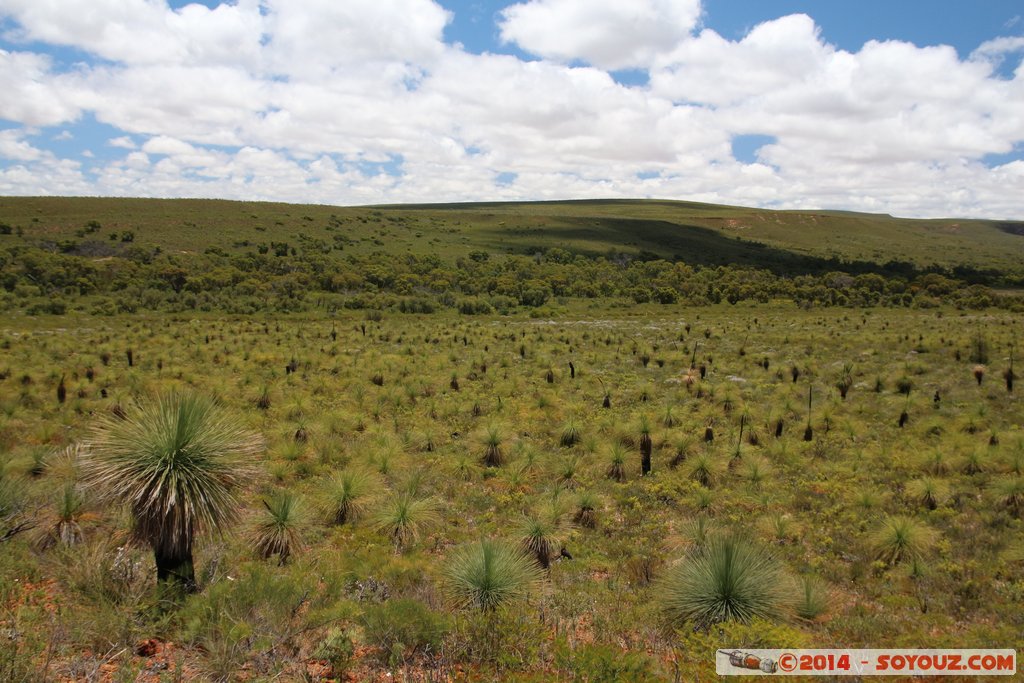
<point>423,491</point>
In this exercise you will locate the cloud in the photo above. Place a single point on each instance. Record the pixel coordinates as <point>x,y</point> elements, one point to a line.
<point>609,34</point>
<point>124,142</point>
<point>32,94</point>
<point>313,39</point>
<point>889,102</point>
<point>13,147</point>
<point>143,31</point>
<point>363,102</point>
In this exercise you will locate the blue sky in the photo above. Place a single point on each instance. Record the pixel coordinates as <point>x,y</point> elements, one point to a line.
<point>909,107</point>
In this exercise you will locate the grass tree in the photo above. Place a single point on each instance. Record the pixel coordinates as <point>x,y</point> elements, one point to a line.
<point>542,532</point>
<point>703,469</point>
<point>489,574</point>
<point>1008,375</point>
<point>645,447</point>
<point>177,463</point>
<point>899,538</point>
<point>587,504</point>
<point>812,600</point>
<point>570,435</point>
<point>930,492</point>
<point>70,513</point>
<point>729,579</point>
<point>279,531</point>
<point>1009,494</point>
<point>404,518</point>
<point>809,430</point>
<point>494,455</point>
<point>347,494</point>
<point>617,463</point>
<point>845,380</point>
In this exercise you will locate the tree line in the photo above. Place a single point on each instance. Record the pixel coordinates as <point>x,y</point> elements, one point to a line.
<point>122,277</point>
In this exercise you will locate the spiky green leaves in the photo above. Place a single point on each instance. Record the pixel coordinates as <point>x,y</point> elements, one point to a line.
<point>404,518</point>
<point>570,435</point>
<point>542,533</point>
<point>488,574</point>
<point>177,463</point>
<point>901,538</point>
<point>279,531</point>
<point>493,455</point>
<point>348,493</point>
<point>729,579</point>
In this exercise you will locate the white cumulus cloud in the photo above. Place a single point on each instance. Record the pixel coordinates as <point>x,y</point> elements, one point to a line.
<point>610,34</point>
<point>361,101</point>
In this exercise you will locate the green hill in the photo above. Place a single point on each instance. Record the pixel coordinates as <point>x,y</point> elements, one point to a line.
<point>702,234</point>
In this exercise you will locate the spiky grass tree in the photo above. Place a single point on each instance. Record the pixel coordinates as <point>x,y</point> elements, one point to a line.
<point>570,435</point>
<point>493,456</point>
<point>542,532</point>
<point>809,430</point>
<point>979,373</point>
<point>617,465</point>
<point>645,447</point>
<point>905,414</point>
<point>703,470</point>
<point>586,509</point>
<point>70,513</point>
<point>730,579</point>
<point>757,470</point>
<point>1009,494</point>
<point>567,473</point>
<point>812,600</point>
<point>263,401</point>
<point>177,463</point>
<point>737,454</point>
<point>845,380</point>
<point>928,491</point>
<point>1008,375</point>
<point>900,538</point>
<point>683,449</point>
<point>279,531</point>
<point>348,493</point>
<point>404,518</point>
<point>780,527</point>
<point>489,574</point>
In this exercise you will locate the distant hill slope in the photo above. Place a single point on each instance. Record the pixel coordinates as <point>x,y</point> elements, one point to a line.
<point>698,233</point>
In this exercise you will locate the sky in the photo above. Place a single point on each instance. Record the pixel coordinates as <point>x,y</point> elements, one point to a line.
<point>914,108</point>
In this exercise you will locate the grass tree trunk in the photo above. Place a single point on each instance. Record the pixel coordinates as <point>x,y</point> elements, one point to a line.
<point>174,568</point>
<point>645,454</point>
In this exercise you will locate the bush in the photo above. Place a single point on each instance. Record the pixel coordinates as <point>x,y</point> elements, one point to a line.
<point>474,306</point>
<point>403,627</point>
<point>535,296</point>
<point>417,305</point>
<point>596,663</point>
<point>502,304</point>
<point>47,307</point>
<point>336,649</point>
<point>507,639</point>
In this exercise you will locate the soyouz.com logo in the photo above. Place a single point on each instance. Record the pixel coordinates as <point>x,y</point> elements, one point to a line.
<point>877,662</point>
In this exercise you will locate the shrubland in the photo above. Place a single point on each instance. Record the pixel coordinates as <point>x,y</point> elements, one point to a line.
<point>439,496</point>
<point>467,481</point>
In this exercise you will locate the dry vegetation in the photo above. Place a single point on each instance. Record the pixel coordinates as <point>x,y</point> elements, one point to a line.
<point>441,497</point>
